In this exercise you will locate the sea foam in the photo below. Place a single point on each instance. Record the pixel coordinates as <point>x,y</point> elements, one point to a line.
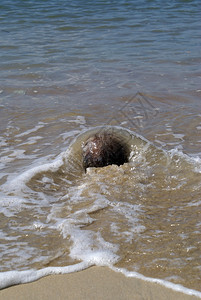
<point>11,278</point>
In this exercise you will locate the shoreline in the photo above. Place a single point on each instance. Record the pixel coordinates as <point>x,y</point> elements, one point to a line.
<point>93,283</point>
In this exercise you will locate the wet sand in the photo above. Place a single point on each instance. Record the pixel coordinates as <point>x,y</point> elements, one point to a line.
<point>93,283</point>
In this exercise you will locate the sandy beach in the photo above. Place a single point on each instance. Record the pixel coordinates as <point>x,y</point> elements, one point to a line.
<point>93,283</point>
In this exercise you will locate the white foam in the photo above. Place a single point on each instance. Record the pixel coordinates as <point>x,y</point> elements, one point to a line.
<point>18,183</point>
<point>79,120</point>
<point>87,245</point>
<point>3,142</point>
<point>36,128</point>
<point>17,277</point>
<point>167,284</point>
<point>15,154</point>
<point>66,135</point>
<point>92,248</point>
<point>130,212</point>
<point>10,205</point>
<point>31,140</point>
<point>194,160</point>
<point>2,166</point>
<point>178,136</point>
<point>6,237</point>
<point>196,203</point>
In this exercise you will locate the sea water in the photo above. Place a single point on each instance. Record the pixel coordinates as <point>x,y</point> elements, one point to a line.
<point>67,68</point>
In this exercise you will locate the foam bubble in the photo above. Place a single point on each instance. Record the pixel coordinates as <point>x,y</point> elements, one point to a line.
<point>14,155</point>
<point>193,160</point>
<point>71,133</point>
<point>79,120</point>
<point>167,284</point>
<point>92,248</point>
<point>17,277</point>
<point>18,183</point>
<point>87,245</point>
<point>11,204</point>
<point>27,132</point>
<point>32,140</point>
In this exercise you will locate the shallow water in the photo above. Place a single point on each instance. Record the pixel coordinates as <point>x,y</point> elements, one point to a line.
<point>68,68</point>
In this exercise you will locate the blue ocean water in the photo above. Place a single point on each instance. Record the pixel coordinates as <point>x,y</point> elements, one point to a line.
<point>91,46</point>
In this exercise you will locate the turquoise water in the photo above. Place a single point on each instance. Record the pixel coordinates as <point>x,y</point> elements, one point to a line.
<point>68,67</point>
